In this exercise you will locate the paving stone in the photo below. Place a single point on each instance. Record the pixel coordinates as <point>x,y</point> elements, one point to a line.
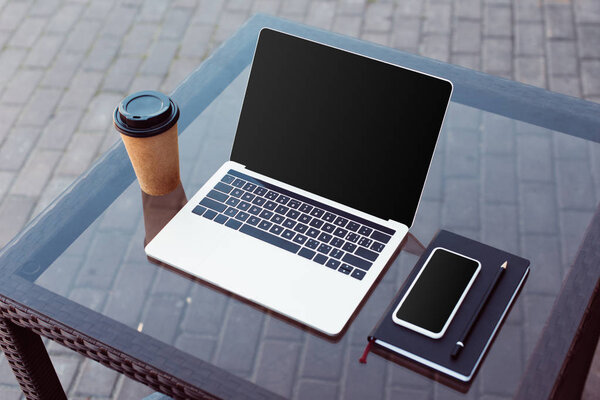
<point>364,381</point>
<point>159,59</point>
<point>152,11</point>
<point>161,317</point>
<point>32,179</point>
<point>237,353</point>
<point>437,18</point>
<point>99,115</point>
<point>497,55</point>
<point>406,393</point>
<point>562,57</point>
<point>139,39</point>
<point>10,60</point>
<point>44,50</point>
<point>6,179</point>
<point>79,154</point>
<point>7,377</point>
<point>10,392</point>
<point>66,367</point>
<point>462,153</point>
<point>534,165</point>
<point>573,224</point>
<point>310,389</point>
<point>401,377</point>
<point>529,39</point>
<point>502,370</point>
<point>65,267</point>
<point>145,82</point>
<point>461,203</point>
<point>276,328</point>
<point>118,22</point>
<point>499,179</point>
<point>467,9</point>
<point>60,74</point>
<point>265,6</point>
<point>179,70</point>
<point>121,74</point>
<point>97,10</point>
<point>82,35</point>
<point>347,25</point>
<point>466,37</point>
<point>228,23</point>
<point>531,70</point>
<point>14,213</point>
<point>21,86</point>
<point>44,8</point>
<point>537,208</point>
<point>435,46</point>
<point>192,46</point>
<point>496,20</point>
<point>537,310</point>
<point>575,187</point>
<point>175,24</point>
<point>377,37</point>
<point>196,345</point>
<point>497,134</point>
<point>102,54</point>
<point>588,37</point>
<point>28,32</point>
<point>320,14</point>
<point>207,12</point>
<point>294,7</point>
<point>590,77</point>
<point>321,359</point>
<point>559,21</point>
<point>59,129</point>
<point>587,11</point>
<point>406,34</point>
<point>130,390</point>
<point>16,147</point>
<point>378,17</point>
<point>500,226</point>
<point>569,85</point>
<point>64,18</point>
<point>278,364</point>
<point>8,115</point>
<point>239,5</point>
<point>205,312</point>
<point>12,14</point>
<point>95,380</point>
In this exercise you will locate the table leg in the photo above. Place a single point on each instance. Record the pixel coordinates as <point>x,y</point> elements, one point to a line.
<point>30,362</point>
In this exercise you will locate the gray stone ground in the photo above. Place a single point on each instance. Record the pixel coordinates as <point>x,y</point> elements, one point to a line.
<point>65,64</point>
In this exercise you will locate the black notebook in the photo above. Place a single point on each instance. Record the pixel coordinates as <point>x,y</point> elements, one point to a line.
<point>435,353</point>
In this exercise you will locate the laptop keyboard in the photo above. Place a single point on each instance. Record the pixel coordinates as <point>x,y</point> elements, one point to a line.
<point>315,231</point>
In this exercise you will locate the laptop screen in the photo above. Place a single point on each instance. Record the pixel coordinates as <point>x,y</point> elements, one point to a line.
<point>346,127</point>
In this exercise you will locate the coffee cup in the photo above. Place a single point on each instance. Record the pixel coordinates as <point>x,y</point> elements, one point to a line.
<point>147,122</point>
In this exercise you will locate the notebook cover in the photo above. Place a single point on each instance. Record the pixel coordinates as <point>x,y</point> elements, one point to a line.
<point>435,353</point>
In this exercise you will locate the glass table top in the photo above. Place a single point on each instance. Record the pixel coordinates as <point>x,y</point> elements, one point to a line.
<point>520,187</point>
<point>516,186</point>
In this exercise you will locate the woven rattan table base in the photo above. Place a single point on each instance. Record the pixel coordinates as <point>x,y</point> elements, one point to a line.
<point>20,328</point>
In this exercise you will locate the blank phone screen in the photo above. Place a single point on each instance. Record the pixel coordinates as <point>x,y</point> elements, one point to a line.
<point>438,288</point>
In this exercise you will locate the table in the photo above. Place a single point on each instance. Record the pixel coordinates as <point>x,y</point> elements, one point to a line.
<point>517,167</point>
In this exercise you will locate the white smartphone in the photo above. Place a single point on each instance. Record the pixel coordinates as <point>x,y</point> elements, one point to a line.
<point>437,292</point>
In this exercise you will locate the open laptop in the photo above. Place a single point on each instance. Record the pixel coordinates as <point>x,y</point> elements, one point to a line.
<point>326,171</point>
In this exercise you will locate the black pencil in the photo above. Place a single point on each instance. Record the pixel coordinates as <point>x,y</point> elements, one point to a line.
<point>461,342</point>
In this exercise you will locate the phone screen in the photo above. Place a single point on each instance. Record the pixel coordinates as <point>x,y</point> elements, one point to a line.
<point>437,292</point>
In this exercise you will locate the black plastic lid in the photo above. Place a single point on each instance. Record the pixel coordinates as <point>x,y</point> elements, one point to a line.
<point>145,114</point>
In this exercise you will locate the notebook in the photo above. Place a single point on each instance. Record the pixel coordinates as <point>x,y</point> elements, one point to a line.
<point>435,353</point>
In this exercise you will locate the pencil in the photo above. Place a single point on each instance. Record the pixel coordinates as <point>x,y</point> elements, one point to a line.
<point>463,339</point>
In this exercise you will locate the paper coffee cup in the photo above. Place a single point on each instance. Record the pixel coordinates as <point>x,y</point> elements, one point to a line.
<point>147,122</point>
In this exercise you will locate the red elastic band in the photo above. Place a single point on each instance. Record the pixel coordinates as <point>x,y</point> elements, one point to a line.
<point>363,359</point>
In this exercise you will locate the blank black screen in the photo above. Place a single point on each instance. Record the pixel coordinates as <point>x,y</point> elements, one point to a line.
<point>346,127</point>
<point>437,290</point>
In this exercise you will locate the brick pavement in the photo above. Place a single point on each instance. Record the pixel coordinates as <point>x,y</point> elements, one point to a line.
<point>64,65</point>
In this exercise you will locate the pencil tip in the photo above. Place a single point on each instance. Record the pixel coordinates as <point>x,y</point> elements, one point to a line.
<point>504,265</point>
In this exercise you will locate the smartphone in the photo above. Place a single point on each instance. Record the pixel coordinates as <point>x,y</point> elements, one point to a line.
<point>435,295</point>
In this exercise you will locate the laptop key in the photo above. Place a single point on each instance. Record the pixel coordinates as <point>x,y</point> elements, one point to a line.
<point>259,201</point>
<point>306,253</point>
<point>380,237</point>
<point>358,274</point>
<point>312,232</point>
<point>232,201</point>
<point>283,199</point>
<point>305,219</point>
<point>265,225</point>
<point>266,214</point>
<point>276,229</point>
<point>254,220</point>
<point>293,203</point>
<point>233,223</point>
<point>199,210</point>
<point>305,208</point>
<point>237,192</point>
<point>345,271</point>
<point>282,209</point>
<point>300,239</point>
<point>349,247</point>
<point>269,238</point>
<point>312,244</point>
<point>242,216</point>
<point>223,187</point>
<point>356,261</point>
<point>352,237</point>
<point>329,217</point>
<point>212,204</point>
<point>365,231</point>
<point>301,228</point>
<point>227,179</point>
<point>336,253</point>
<point>365,242</point>
<point>243,206</point>
<point>333,264</point>
<point>239,183</point>
<point>254,210</point>
<point>352,226</point>
<point>260,191</point>
<point>316,223</point>
<point>293,214</point>
<point>340,232</point>
<point>247,196</point>
<point>249,187</point>
<point>324,248</point>
<point>325,237</point>
<point>320,258</point>
<point>364,253</point>
<point>288,234</point>
<point>271,195</point>
<point>220,219</point>
<point>270,205</point>
<point>378,247</point>
<point>230,212</point>
<point>337,242</point>
<point>329,228</point>
<point>340,221</point>
<point>317,212</point>
<point>289,223</point>
<point>278,219</point>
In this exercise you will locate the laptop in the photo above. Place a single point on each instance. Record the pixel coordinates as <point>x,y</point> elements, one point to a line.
<point>328,164</point>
